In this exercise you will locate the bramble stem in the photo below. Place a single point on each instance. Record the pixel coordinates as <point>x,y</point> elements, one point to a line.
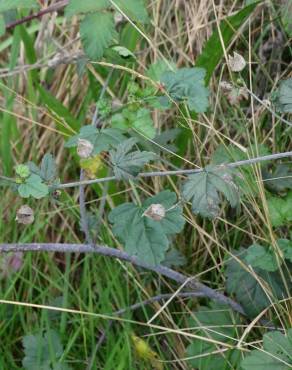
<point>180,172</point>
<point>50,9</point>
<point>189,282</point>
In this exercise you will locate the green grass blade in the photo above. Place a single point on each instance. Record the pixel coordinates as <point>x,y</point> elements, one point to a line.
<point>213,51</point>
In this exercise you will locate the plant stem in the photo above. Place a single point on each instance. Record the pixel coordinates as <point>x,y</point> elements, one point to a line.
<point>189,282</point>
<point>180,172</point>
<point>82,206</point>
<point>50,9</point>
<point>82,209</point>
<point>159,298</point>
<point>268,108</point>
<point>4,178</point>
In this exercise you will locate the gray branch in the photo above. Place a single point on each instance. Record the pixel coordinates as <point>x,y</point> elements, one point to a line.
<point>181,172</point>
<point>189,282</point>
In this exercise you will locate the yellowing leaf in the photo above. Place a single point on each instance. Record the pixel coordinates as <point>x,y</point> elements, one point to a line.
<point>144,352</point>
<point>91,166</point>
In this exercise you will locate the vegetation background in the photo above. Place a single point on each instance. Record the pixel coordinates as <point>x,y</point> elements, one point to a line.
<point>48,90</point>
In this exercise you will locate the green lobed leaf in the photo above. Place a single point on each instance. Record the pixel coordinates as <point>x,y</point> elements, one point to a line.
<point>226,154</point>
<point>128,164</point>
<point>37,355</point>
<point>22,170</point>
<point>123,52</point>
<point>277,355</point>
<point>106,139</point>
<point>246,288</point>
<point>219,323</point>
<point>187,85</point>
<point>174,258</point>
<point>265,258</point>
<point>286,11</point>
<point>157,69</point>
<point>102,140</point>
<point>85,6</point>
<point>34,169</point>
<point>87,132</point>
<point>203,190</point>
<point>282,98</point>
<point>173,221</point>
<point>144,237</point>
<point>286,247</point>
<point>139,120</point>
<point>48,168</point>
<point>280,209</point>
<point>34,187</point>
<point>245,180</point>
<point>258,256</point>
<point>280,179</point>
<point>97,31</point>
<point>6,5</point>
<point>143,123</point>
<point>213,51</point>
<point>134,9</point>
<point>164,140</point>
<point>104,107</point>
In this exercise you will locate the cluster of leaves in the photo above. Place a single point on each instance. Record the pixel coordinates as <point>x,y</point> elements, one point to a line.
<point>282,98</point>
<point>280,179</point>
<point>101,139</point>
<point>280,209</point>
<point>255,289</point>
<point>203,189</point>
<point>127,163</point>
<point>98,15</point>
<point>219,324</point>
<point>34,181</point>
<point>187,85</point>
<point>43,351</point>
<point>276,353</point>
<point>145,237</point>
<point>265,258</point>
<point>183,85</point>
<point>227,154</point>
<point>136,115</point>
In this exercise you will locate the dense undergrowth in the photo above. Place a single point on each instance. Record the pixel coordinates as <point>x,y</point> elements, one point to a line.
<point>101,88</point>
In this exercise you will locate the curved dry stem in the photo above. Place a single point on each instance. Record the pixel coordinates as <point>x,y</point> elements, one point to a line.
<point>189,282</point>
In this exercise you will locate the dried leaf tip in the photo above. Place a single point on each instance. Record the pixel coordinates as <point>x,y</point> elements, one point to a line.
<point>25,215</point>
<point>84,148</point>
<point>236,62</point>
<point>155,211</point>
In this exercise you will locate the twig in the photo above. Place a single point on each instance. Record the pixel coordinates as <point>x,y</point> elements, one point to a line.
<point>50,9</point>
<point>4,178</point>
<point>159,298</point>
<point>82,209</point>
<point>82,205</point>
<point>181,172</point>
<point>101,207</point>
<point>190,283</point>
